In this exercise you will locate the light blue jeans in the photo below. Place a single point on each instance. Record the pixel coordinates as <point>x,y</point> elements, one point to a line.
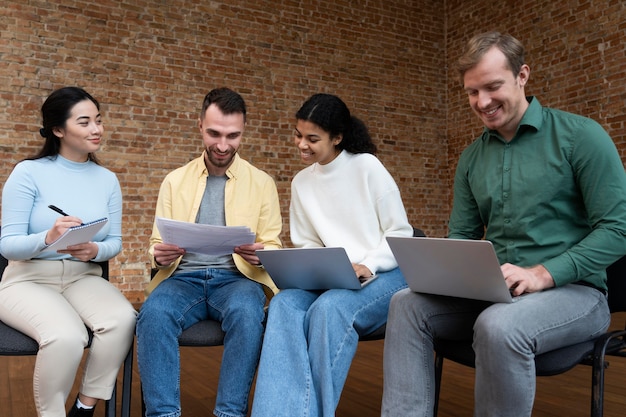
<point>506,338</point>
<point>181,301</point>
<point>310,340</point>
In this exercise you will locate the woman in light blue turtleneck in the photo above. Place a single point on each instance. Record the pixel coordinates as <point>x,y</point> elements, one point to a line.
<point>51,296</point>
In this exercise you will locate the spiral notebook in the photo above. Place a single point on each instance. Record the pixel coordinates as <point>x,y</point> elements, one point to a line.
<point>77,234</point>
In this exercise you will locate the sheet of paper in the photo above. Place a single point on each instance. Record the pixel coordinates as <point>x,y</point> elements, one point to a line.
<point>77,234</point>
<point>204,238</point>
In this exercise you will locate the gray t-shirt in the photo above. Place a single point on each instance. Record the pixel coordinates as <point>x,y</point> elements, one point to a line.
<point>211,212</point>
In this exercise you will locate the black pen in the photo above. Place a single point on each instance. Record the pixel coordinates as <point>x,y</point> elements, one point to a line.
<point>58,210</point>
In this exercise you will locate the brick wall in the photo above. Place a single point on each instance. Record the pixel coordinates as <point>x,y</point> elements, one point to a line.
<point>151,62</point>
<point>575,50</point>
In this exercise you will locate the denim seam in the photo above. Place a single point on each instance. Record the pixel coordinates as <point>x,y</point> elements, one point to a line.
<point>347,330</point>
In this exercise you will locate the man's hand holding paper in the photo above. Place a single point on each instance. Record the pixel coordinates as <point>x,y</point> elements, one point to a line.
<point>248,252</point>
<point>204,238</point>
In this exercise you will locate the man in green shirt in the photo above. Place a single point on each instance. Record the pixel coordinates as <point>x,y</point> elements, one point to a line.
<point>548,189</point>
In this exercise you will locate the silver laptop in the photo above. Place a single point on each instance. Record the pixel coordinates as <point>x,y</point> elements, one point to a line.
<point>453,267</point>
<point>310,268</point>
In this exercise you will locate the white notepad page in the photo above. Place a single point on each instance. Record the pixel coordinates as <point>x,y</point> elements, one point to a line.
<point>77,234</point>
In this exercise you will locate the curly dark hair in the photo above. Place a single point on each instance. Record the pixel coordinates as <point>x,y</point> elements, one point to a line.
<point>332,115</point>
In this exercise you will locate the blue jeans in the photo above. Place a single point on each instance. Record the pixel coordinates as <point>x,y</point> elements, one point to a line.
<point>181,301</point>
<point>506,338</point>
<point>310,340</point>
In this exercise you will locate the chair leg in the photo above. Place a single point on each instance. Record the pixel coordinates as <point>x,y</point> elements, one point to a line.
<point>109,405</point>
<point>127,377</point>
<point>143,403</point>
<point>438,372</point>
<point>597,382</point>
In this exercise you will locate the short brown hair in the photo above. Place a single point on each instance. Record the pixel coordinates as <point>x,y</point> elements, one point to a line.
<point>512,49</point>
<point>226,100</point>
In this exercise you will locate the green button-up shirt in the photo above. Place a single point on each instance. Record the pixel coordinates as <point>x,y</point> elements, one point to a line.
<point>554,195</point>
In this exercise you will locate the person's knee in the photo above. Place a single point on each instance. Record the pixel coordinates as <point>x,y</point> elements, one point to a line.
<point>247,310</point>
<point>126,319</point>
<point>402,297</point>
<point>328,309</point>
<point>69,340</point>
<point>154,316</point>
<point>493,331</point>
<point>402,302</point>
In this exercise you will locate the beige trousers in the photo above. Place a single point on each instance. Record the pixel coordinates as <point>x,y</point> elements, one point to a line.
<point>52,301</point>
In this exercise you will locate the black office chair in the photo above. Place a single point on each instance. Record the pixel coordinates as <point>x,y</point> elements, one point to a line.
<point>558,361</point>
<point>16,343</point>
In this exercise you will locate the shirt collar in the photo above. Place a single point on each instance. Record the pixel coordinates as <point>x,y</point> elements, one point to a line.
<point>532,119</point>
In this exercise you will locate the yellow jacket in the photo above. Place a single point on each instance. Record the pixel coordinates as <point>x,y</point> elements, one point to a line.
<point>250,199</point>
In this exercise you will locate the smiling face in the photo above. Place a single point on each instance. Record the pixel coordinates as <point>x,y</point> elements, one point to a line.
<point>82,132</point>
<point>315,144</point>
<point>221,134</point>
<point>496,94</point>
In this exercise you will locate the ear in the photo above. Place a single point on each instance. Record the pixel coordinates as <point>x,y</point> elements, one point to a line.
<point>200,124</point>
<point>524,75</point>
<point>337,139</point>
<point>58,132</point>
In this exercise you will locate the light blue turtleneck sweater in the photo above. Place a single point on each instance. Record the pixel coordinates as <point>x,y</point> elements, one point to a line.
<point>85,190</point>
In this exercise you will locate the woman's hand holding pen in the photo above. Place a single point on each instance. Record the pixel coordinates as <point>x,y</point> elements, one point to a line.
<point>60,226</point>
<point>83,251</point>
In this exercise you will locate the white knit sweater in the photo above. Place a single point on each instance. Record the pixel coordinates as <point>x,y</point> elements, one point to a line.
<point>352,202</point>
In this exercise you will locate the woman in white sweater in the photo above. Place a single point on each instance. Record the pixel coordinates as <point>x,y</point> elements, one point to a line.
<point>346,198</point>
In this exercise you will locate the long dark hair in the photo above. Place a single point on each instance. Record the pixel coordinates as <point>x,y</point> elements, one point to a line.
<point>54,113</point>
<point>331,114</point>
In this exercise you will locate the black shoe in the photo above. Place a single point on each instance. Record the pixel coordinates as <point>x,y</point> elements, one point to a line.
<point>81,412</point>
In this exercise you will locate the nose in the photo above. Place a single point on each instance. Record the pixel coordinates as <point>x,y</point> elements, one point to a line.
<point>483,100</point>
<point>222,144</point>
<point>300,143</point>
<point>96,128</point>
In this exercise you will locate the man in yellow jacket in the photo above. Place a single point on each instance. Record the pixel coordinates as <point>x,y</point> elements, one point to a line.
<point>222,189</point>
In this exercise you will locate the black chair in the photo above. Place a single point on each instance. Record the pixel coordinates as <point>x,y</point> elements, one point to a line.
<point>16,343</point>
<point>558,361</point>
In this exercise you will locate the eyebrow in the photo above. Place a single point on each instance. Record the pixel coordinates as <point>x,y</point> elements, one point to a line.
<point>312,135</point>
<point>491,84</point>
<point>87,117</point>
<point>211,130</point>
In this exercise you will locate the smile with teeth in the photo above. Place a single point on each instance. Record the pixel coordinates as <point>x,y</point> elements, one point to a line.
<point>491,112</point>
